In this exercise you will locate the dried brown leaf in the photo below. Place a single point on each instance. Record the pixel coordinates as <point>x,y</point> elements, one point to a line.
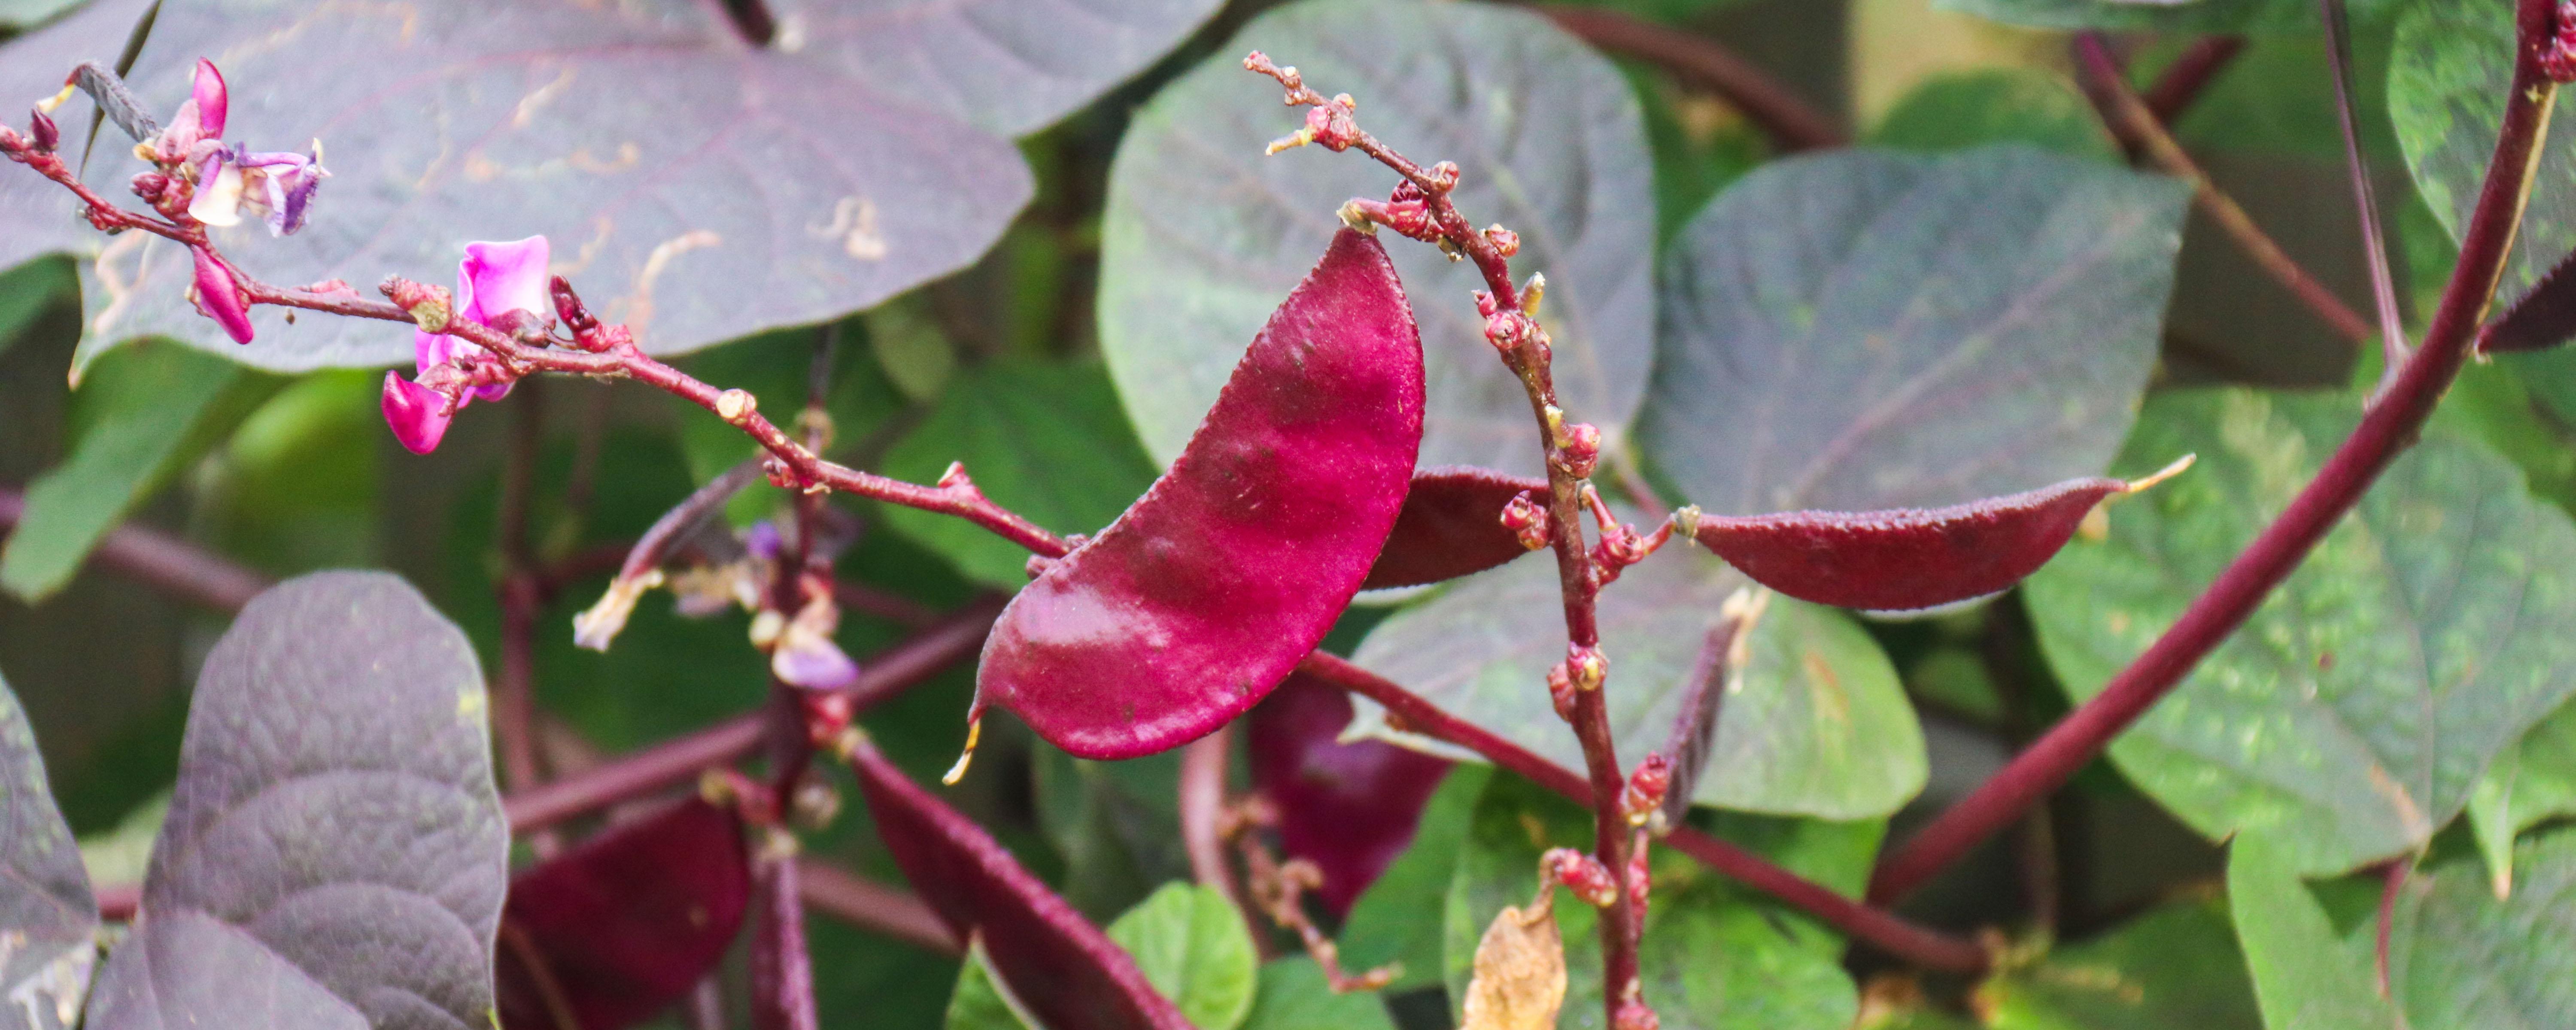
<point>1520,970</point>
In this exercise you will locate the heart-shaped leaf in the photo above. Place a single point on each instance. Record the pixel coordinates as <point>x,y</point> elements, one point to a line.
<point>1815,724</point>
<point>1202,230</point>
<point>1451,526</point>
<point>617,929</point>
<point>335,854</point>
<point>2352,714</point>
<point>48,918</point>
<point>1863,330</point>
<point>699,187</point>
<point>1908,557</point>
<point>1350,808</point>
<point>1194,948</point>
<point>1068,973</point>
<point>1203,596</point>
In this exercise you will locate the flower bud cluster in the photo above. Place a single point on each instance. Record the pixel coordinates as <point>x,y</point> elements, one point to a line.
<point>1578,449</point>
<point>1527,520</point>
<point>1586,666</point>
<point>1646,788</point>
<point>1582,874</point>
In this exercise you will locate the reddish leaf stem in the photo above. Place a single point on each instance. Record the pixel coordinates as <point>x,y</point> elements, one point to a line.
<point>2190,74</point>
<point>175,566</point>
<point>1791,122</point>
<point>1202,810</point>
<point>873,906</point>
<point>2392,884</point>
<point>2137,127</point>
<point>2386,429</point>
<point>1881,929</point>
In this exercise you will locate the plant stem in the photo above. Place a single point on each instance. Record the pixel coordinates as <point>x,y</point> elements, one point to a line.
<point>1202,810</point>
<point>2184,80</point>
<point>1883,930</point>
<point>168,563</point>
<point>1791,122</point>
<point>782,970</point>
<point>2129,119</point>
<point>2383,283</point>
<point>2385,430</point>
<point>873,906</point>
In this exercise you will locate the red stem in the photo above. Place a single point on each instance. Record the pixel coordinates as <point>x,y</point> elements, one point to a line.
<point>2190,74</point>
<point>1881,929</point>
<point>782,970</point>
<point>870,905</point>
<point>1791,122</point>
<point>1202,811</point>
<point>2386,429</point>
<point>175,566</point>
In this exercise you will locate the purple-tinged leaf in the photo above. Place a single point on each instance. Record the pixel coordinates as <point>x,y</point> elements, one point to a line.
<point>48,918</point>
<point>1349,808</point>
<point>335,855</point>
<point>1909,557</point>
<point>1451,526</point>
<point>613,931</point>
<point>1071,976</point>
<point>1202,597</point>
<point>699,187</point>
<point>2541,319</point>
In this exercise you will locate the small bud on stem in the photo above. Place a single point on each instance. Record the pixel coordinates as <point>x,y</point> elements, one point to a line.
<point>1587,666</point>
<point>1582,874</point>
<point>1646,788</point>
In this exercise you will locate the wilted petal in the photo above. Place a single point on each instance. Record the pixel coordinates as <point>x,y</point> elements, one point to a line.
<point>501,277</point>
<point>599,624</point>
<point>219,192</point>
<point>806,656</point>
<point>418,414</point>
<point>220,298</point>
<point>287,184</point>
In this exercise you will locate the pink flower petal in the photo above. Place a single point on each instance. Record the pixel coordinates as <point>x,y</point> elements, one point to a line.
<point>220,298</point>
<point>213,100</point>
<point>417,414</point>
<point>502,277</point>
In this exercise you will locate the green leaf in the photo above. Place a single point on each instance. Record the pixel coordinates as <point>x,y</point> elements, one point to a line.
<point>2162,15</point>
<point>2459,959</point>
<point>144,416</point>
<point>1864,329</point>
<point>1203,234</point>
<point>1115,823</point>
<point>980,1002</point>
<point>1194,948</point>
<point>1713,956</point>
<point>48,919</point>
<point>2352,714</point>
<point>2177,966</point>
<point>1043,439</point>
<point>2529,782</point>
<point>1957,110</point>
<point>2303,976</point>
<point>1295,996</point>
<point>1386,924</point>
<point>2446,92</point>
<point>1817,724</point>
<point>31,289</point>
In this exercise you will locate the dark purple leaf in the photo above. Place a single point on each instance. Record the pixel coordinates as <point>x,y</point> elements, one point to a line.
<point>1451,526</point>
<point>2544,317</point>
<point>48,918</point>
<point>613,931</point>
<point>1198,600</point>
<point>1071,976</point>
<point>1910,557</point>
<point>335,855</point>
<point>696,185</point>
<point>1348,808</point>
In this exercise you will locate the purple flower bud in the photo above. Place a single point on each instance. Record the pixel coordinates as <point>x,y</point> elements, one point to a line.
<point>419,415</point>
<point>219,298</point>
<point>47,135</point>
<point>762,540</point>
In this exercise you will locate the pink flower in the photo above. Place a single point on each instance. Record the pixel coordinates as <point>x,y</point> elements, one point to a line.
<point>278,186</point>
<point>201,116</point>
<point>219,297</point>
<point>501,286</point>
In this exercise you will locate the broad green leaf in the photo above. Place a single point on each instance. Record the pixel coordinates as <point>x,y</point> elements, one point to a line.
<point>1864,329</point>
<point>1295,996</point>
<point>2453,65</point>
<point>144,417</point>
<point>2304,977</point>
<point>1816,724</point>
<point>693,185</point>
<point>48,919</point>
<point>27,291</point>
<point>1192,944</point>
<point>2174,967</point>
<point>980,1003</point>
<point>2162,15</point>
<point>2351,715</point>
<point>1203,234</point>
<point>1713,955</point>
<point>1386,923</point>
<point>1044,439</point>
<point>1957,110</point>
<point>2460,959</point>
<point>2529,782</point>
<point>335,854</point>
